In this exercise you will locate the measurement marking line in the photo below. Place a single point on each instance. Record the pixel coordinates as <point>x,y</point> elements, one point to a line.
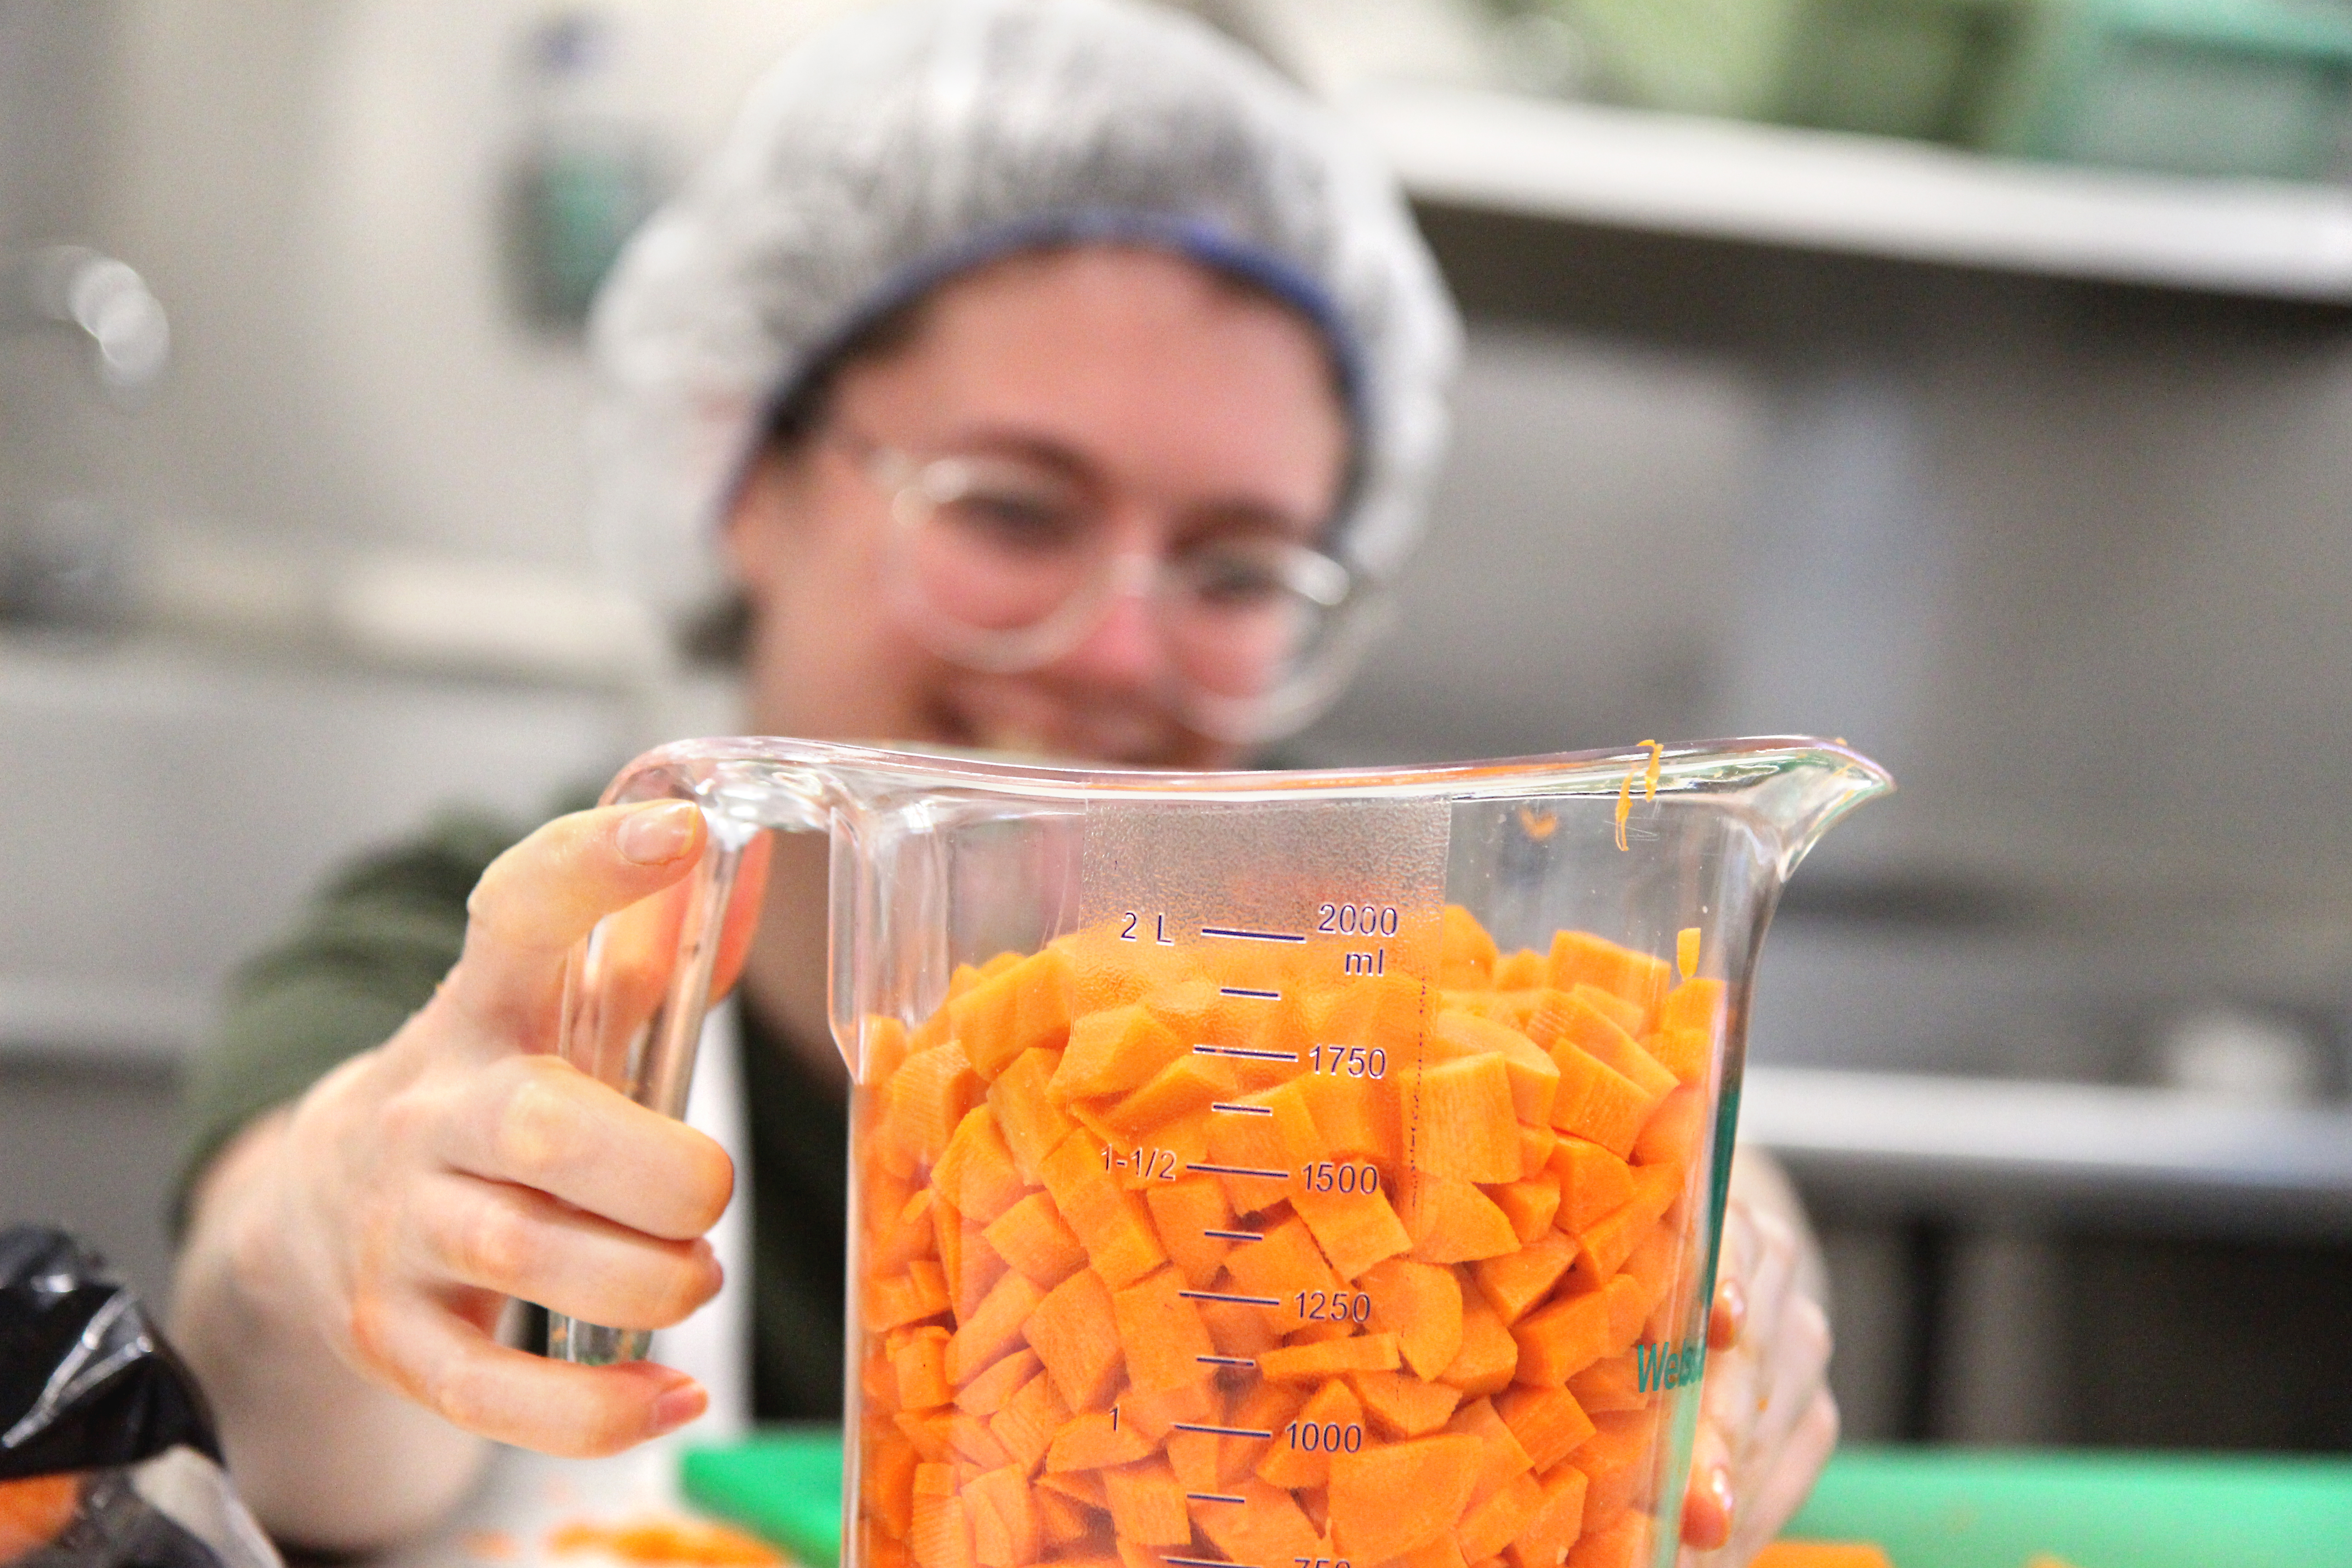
<point>1211,1497</point>
<point>1219,1432</point>
<point>1241,1109</point>
<point>1204,1561</point>
<point>1240,935</point>
<point>1234,1235</point>
<point>1226,1359</point>
<point>1242,1171</point>
<point>1238,1302</point>
<point>1245,1051</point>
<point>1246,991</point>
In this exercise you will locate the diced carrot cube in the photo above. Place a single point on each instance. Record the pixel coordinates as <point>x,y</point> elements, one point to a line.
<point>1628,1309</point>
<point>1518,1280</point>
<point>1623,1542</point>
<point>1562,1338</point>
<point>1161,1333</point>
<point>986,1393</point>
<point>1489,1355</point>
<point>1266,1528</point>
<point>1355,1229</point>
<point>903,1238</point>
<point>1450,1220</point>
<point>1240,1330</point>
<point>1603,1245</point>
<point>1109,1221</point>
<point>938,1535</point>
<point>1024,1006</point>
<point>1671,1136</point>
<point>1403,1405</point>
<point>1063,1523</point>
<point>1492,1524</point>
<point>927,1431</point>
<point>925,1099</point>
<point>975,1172</point>
<point>1545,1540</point>
<point>1003,1519</point>
<point>973,1444</point>
<point>1329,1358</point>
<point>1593,1182</point>
<point>993,1329</point>
<point>1389,1014</point>
<point>1183,1213</point>
<point>1521,971</point>
<point>1618,1458</point>
<point>1466,953</point>
<point>1694,1005</point>
<point>1613,1382</point>
<point>1598,1102</point>
<point>920,1360</point>
<point>1093,1440</point>
<point>920,1293</point>
<point>1355,1115</point>
<point>1185,1086</point>
<point>1156,1414</point>
<point>1306,1461</point>
<point>1550,1423</point>
<point>882,1046</point>
<point>1194,1457</point>
<point>1266,1407</point>
<point>886,1480</point>
<point>1420,1303</point>
<point>1027,1114</point>
<point>1636,977</point>
<point>1033,1238</point>
<point>1113,1051</point>
<point>1688,1053</point>
<point>1500,1457</point>
<point>1387,1501</point>
<point>1147,1503</point>
<point>1286,1263</point>
<point>1533,1077</point>
<point>1028,1421</point>
<point>1443,1553</point>
<point>1536,1144</point>
<point>1529,1203</point>
<point>1075,1333</point>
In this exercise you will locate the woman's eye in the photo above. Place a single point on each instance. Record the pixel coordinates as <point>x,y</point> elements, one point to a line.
<point>1234,580</point>
<point>1018,521</point>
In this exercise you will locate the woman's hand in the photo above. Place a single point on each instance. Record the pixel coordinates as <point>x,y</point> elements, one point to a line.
<point>364,1244</point>
<point>1766,1423</point>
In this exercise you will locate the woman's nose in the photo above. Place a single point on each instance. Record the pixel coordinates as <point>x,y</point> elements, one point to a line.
<point>1126,647</point>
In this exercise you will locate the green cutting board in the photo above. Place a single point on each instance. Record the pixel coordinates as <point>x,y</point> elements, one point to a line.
<point>1930,1507</point>
<point>1961,1508</point>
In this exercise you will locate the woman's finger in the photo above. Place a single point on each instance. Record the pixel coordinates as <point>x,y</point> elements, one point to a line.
<point>516,1242</point>
<point>536,1122</point>
<point>1776,1490</point>
<point>448,1365</point>
<point>543,895</point>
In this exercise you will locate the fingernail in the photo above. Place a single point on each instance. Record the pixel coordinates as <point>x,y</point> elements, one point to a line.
<point>1734,1296</point>
<point>678,1406</point>
<point>657,833</point>
<point>1718,1485</point>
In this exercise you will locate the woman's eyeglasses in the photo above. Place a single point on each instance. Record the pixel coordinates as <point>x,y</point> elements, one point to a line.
<point>1006,563</point>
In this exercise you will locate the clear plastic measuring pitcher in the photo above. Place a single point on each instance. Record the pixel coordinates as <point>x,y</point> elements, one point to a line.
<point>1312,1170</point>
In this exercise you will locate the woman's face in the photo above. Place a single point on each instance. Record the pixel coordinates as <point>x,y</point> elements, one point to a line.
<point>1162,390</point>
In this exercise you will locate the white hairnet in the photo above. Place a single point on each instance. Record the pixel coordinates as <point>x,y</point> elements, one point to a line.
<point>911,142</point>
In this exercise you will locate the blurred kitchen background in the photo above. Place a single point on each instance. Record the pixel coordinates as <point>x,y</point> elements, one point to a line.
<point>1971,379</point>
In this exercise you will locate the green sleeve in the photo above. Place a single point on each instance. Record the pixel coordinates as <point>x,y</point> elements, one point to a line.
<point>366,954</point>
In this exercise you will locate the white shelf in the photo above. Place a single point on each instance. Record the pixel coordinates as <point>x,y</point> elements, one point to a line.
<point>1861,196</point>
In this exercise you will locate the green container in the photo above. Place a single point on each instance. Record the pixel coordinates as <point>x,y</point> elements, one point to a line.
<point>1921,69</point>
<point>2190,87</point>
<point>1943,1507</point>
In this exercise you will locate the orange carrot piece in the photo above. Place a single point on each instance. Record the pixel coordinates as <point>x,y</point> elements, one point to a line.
<point>1333,1407</point>
<point>1598,1102</point>
<point>1185,1086</point>
<point>1536,1144</point>
<point>1250,1144</point>
<point>1694,1005</point>
<point>1156,1414</point>
<point>1593,1182</point>
<point>1623,1542</point>
<point>1267,1528</point>
<point>1003,1518</point>
<point>1489,1526</point>
<point>1521,971</point>
<point>1354,1115</point>
<point>903,1238</point>
<point>1562,1338</point>
<point>1161,1333</point>
<point>1611,1383</point>
<point>1451,1221</point>
<point>1420,1303</point>
<point>1240,1330</point>
<point>1557,1522</point>
<point>1489,1355</point>
<point>1027,1114</point>
<point>1354,1230</point>
<point>886,1480</point>
<point>938,1535</point>
<point>1387,1501</point>
<point>1109,1221</point>
<point>973,1445</point>
<point>920,1293</point>
<point>993,1329</point>
<point>1183,1213</point>
<point>1603,1245</point>
<point>1147,1503</point>
<point>1403,1405</point>
<point>1550,1423</point>
<point>1027,1425</point>
<point>1090,1440</point>
<point>1261,1407</point>
<point>1529,1203</point>
<point>920,1360</point>
<point>1111,1052</point>
<point>1283,1265</point>
<point>1534,1078</point>
<point>926,1099</point>
<point>1389,1014</point>
<point>1786,1553</point>
<point>986,1393</point>
<point>1329,1358</point>
<point>1063,1523</point>
<point>1636,977</point>
<point>1671,1136</point>
<point>1466,953</point>
<point>1033,1238</point>
<point>1617,1457</point>
<point>1688,1053</point>
<point>1443,1553</point>
<point>1075,1332</point>
<point>1024,1006</point>
<point>975,1172</point>
<point>1518,1280</point>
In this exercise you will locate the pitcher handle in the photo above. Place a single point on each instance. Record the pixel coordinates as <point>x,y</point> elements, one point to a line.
<point>652,1062</point>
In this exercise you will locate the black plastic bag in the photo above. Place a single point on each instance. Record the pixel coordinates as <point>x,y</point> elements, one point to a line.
<point>90,1390</point>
